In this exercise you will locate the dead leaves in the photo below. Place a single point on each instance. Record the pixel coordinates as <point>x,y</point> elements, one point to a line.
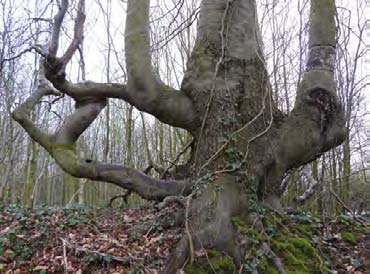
<point>82,240</point>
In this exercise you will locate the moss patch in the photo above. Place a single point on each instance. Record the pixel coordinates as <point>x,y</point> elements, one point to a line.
<point>300,241</point>
<point>349,238</point>
<point>213,262</point>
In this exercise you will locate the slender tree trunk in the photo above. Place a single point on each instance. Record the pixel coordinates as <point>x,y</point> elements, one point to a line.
<point>346,173</point>
<point>31,174</point>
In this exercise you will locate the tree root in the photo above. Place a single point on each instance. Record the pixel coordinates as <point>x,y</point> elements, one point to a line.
<point>124,196</point>
<point>271,254</point>
<point>167,218</point>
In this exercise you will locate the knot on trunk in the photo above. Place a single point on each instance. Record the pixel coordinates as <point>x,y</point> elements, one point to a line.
<point>326,105</point>
<point>54,69</point>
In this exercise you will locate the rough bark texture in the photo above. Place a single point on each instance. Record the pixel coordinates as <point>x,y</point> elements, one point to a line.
<point>243,145</point>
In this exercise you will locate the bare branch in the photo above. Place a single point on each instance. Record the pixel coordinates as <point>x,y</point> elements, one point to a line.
<point>78,33</point>
<point>61,147</point>
<point>144,90</point>
<point>58,20</point>
<point>3,61</point>
<point>332,192</point>
<point>151,94</point>
<point>312,187</point>
<point>137,47</point>
<point>76,123</point>
<point>123,196</point>
<point>22,115</point>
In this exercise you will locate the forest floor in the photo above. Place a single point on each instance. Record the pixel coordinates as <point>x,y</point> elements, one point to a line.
<point>86,240</point>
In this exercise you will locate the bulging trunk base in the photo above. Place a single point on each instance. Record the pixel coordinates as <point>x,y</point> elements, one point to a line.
<point>210,216</point>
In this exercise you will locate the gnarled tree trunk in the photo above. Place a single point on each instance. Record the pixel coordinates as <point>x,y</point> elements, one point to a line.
<point>243,144</point>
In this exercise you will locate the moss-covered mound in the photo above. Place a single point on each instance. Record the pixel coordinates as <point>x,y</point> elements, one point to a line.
<point>292,244</point>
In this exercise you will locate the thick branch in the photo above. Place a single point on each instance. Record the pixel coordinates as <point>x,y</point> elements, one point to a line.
<point>163,102</point>
<point>22,115</point>
<point>170,106</point>
<point>144,90</point>
<point>61,147</point>
<point>316,124</point>
<point>237,20</point>
<point>148,92</point>
<point>78,33</point>
<point>76,123</point>
<point>322,24</point>
<point>317,118</point>
<point>58,20</point>
<point>137,47</point>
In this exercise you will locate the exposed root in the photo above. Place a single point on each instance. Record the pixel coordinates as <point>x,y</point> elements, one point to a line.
<point>332,192</point>
<point>124,196</point>
<point>166,218</point>
<point>271,254</point>
<point>187,228</point>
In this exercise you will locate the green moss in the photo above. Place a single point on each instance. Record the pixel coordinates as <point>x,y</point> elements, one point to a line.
<point>66,157</point>
<point>298,254</point>
<point>304,245</point>
<point>294,263</point>
<point>239,224</point>
<point>215,262</point>
<point>349,238</point>
<point>267,267</point>
<point>295,240</point>
<point>280,245</point>
<point>305,229</point>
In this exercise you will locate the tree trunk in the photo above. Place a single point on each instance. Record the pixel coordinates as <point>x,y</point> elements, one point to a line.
<point>244,144</point>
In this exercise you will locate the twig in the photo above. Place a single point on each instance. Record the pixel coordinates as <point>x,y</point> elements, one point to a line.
<point>3,61</point>
<point>332,192</point>
<point>123,260</point>
<point>177,158</point>
<point>187,228</point>
<point>65,262</point>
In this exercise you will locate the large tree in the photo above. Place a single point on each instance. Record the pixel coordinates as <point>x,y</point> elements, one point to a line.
<point>243,144</point>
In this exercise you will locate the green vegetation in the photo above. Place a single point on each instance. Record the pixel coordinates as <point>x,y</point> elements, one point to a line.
<point>211,262</point>
<point>301,242</point>
<point>349,238</point>
<point>98,238</point>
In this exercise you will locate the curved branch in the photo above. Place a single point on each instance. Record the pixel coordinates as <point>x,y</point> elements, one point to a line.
<point>61,147</point>
<point>58,20</point>
<point>22,115</point>
<point>170,107</point>
<point>144,90</point>
<point>316,123</point>
<point>148,92</point>
<point>78,33</point>
<point>75,124</point>
<point>137,47</point>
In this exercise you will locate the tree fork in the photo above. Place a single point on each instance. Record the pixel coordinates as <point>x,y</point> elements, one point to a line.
<point>267,144</point>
